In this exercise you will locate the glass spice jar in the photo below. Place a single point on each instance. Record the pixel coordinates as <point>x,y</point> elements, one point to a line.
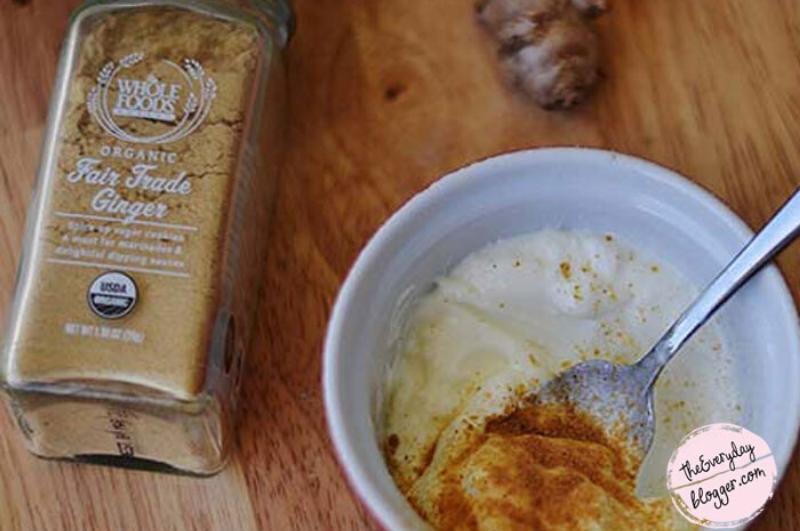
<point>139,277</point>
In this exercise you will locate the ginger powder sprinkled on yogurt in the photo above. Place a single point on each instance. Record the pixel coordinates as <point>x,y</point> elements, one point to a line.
<point>463,436</point>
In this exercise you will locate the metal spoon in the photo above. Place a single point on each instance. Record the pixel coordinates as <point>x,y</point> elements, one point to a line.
<point>620,397</point>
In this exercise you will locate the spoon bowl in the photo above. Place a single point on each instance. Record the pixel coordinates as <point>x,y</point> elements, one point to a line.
<point>617,397</point>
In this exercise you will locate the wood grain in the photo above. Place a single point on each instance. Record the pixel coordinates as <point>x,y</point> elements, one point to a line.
<point>385,97</point>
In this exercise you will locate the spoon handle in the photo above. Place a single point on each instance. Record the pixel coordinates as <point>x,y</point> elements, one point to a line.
<point>776,234</point>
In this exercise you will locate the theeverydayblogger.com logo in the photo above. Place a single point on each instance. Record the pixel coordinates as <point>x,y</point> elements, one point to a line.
<point>721,476</point>
<point>173,99</point>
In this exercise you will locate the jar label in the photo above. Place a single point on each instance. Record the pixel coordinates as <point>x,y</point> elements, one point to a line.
<point>145,182</point>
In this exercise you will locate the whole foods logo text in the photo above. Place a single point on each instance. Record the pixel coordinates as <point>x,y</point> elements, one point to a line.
<point>172,99</point>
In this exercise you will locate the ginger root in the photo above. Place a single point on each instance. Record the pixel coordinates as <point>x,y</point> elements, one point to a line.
<point>549,46</point>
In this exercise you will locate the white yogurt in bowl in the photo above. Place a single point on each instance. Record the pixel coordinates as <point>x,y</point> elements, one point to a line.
<point>661,217</point>
<point>512,316</point>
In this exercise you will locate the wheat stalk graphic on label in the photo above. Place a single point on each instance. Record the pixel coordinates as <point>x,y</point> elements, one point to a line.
<point>150,99</point>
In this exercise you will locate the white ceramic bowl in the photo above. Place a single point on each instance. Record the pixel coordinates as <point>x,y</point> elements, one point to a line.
<point>649,206</point>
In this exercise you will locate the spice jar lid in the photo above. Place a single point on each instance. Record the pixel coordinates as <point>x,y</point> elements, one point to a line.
<point>278,14</point>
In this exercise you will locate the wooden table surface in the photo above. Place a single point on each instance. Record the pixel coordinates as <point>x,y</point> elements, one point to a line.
<point>385,97</point>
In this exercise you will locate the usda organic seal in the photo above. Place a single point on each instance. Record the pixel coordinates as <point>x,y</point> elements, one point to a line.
<point>112,295</point>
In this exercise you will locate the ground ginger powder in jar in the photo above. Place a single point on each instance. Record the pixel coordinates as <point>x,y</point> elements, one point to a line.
<point>139,277</point>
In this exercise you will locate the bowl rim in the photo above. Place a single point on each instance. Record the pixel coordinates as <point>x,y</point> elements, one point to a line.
<point>355,472</point>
